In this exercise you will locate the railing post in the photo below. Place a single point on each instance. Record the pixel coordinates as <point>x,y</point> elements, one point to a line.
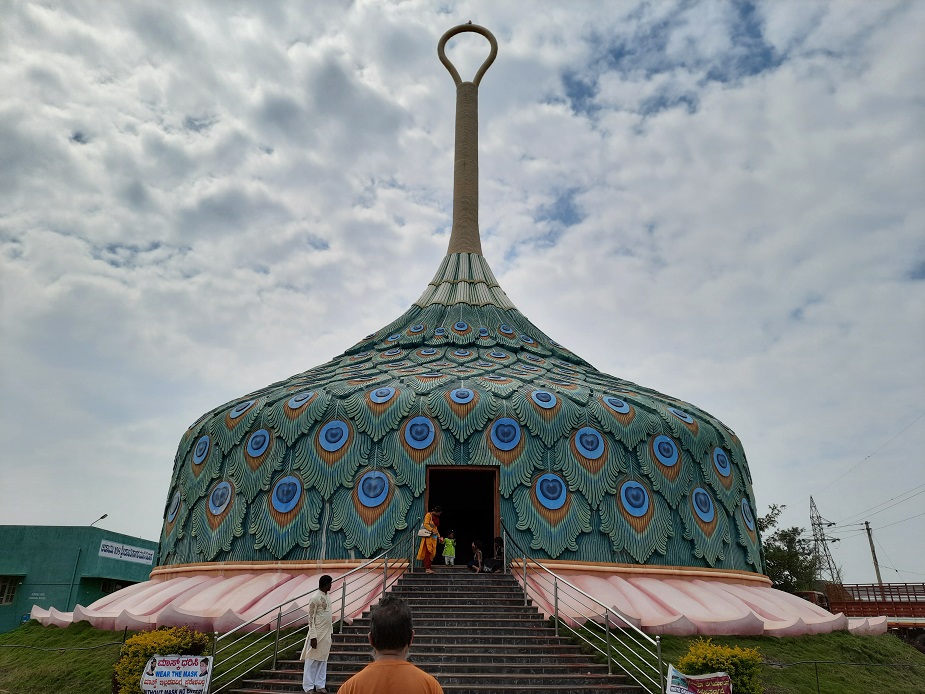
<point>661,673</point>
<point>214,639</point>
<point>555,602</point>
<point>607,636</point>
<point>525,578</point>
<point>343,604</point>
<point>279,620</point>
<point>385,574</point>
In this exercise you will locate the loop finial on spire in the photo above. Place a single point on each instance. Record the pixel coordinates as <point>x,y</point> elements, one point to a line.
<point>464,237</point>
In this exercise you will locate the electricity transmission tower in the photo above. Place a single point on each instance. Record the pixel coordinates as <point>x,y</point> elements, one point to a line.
<point>826,569</point>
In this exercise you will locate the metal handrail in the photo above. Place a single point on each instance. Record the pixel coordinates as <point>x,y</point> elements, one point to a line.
<point>395,561</point>
<point>646,666</point>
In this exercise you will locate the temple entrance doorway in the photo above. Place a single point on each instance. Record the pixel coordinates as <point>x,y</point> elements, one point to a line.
<point>469,498</point>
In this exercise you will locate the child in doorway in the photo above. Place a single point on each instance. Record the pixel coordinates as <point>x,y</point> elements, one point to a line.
<point>449,549</point>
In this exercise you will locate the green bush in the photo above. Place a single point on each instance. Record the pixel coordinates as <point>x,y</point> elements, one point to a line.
<point>137,650</point>
<point>742,664</point>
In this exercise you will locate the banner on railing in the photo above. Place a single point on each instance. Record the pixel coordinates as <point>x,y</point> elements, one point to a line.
<point>714,683</point>
<point>177,674</point>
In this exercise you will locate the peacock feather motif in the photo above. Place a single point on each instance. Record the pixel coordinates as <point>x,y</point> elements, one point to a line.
<point>330,462</point>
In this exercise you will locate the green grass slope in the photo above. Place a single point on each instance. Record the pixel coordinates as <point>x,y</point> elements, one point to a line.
<point>32,671</point>
<point>875,652</point>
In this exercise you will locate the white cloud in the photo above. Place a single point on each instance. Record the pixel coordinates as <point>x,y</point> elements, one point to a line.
<point>197,203</point>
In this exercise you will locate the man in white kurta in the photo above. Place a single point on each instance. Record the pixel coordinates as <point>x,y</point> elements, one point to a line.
<point>318,641</point>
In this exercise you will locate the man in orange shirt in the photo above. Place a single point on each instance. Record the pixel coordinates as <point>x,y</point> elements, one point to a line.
<point>390,635</point>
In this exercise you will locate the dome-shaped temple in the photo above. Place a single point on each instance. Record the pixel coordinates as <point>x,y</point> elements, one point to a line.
<point>644,500</point>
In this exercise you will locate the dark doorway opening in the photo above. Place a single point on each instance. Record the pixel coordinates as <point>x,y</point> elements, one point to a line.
<point>469,498</point>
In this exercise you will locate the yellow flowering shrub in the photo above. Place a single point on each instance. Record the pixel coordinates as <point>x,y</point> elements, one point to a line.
<point>742,664</point>
<point>136,651</point>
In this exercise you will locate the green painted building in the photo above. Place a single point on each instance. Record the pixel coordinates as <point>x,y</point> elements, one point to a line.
<point>62,566</point>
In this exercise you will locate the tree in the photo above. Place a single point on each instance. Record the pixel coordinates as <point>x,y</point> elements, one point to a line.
<point>789,557</point>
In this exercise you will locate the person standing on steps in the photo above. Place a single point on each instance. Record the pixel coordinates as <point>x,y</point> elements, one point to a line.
<point>390,634</point>
<point>428,549</point>
<point>449,549</point>
<point>317,646</point>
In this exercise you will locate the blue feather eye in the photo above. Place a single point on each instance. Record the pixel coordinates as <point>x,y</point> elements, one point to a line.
<point>219,498</point>
<point>462,396</point>
<point>505,329</point>
<point>373,489</point>
<point>174,507</point>
<point>460,326</point>
<point>683,416</point>
<point>721,462</point>
<point>391,352</point>
<point>440,332</point>
<point>526,339</point>
<point>533,357</point>
<point>497,354</point>
<point>382,395</point>
<point>550,491</point>
<point>483,364</point>
<point>286,494</point>
<point>505,434</point>
<point>202,450</point>
<point>483,332</point>
<point>666,451</point>
<point>544,399</point>
<point>419,433</point>
<point>427,352</point>
<point>617,405</point>
<point>393,338</point>
<point>241,408</point>
<point>258,443</point>
<point>589,443</point>
<point>703,505</point>
<point>747,515</point>
<point>635,498</point>
<point>333,435</point>
<point>298,401</point>
<point>462,353</point>
<point>528,367</point>
<point>415,329</point>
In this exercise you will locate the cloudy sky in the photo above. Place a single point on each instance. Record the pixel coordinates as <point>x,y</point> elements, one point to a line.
<point>722,201</point>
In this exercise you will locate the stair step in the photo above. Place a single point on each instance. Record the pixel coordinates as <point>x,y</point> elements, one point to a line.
<point>474,633</point>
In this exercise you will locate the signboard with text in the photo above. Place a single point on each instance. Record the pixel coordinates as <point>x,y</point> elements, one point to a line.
<point>116,550</point>
<point>714,683</point>
<point>177,674</point>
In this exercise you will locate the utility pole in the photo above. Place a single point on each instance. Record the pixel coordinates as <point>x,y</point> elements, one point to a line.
<point>873,552</point>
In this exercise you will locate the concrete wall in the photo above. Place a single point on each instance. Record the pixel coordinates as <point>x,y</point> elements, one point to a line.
<point>61,566</point>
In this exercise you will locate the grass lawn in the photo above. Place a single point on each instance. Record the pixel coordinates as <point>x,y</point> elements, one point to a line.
<point>872,653</point>
<point>31,671</point>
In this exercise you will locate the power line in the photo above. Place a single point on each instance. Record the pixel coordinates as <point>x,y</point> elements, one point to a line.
<point>868,457</point>
<point>901,521</point>
<point>868,515</point>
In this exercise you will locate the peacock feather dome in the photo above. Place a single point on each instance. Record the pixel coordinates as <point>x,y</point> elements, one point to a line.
<point>332,463</point>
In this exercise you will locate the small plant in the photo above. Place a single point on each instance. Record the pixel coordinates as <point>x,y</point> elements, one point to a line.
<point>137,650</point>
<point>742,664</point>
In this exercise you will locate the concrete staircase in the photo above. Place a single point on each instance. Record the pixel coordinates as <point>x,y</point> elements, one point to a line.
<point>474,634</point>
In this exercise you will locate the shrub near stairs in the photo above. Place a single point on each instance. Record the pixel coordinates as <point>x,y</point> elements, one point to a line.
<point>742,664</point>
<point>137,650</point>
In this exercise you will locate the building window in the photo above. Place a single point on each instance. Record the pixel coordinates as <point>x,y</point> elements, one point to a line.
<point>109,586</point>
<point>8,588</point>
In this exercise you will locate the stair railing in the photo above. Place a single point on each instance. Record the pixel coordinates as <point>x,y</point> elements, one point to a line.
<point>636,653</point>
<point>239,654</point>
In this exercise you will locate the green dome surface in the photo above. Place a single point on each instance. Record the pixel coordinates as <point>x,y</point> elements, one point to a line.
<point>332,463</point>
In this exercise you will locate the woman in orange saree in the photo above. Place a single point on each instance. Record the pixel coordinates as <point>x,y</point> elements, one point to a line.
<point>428,549</point>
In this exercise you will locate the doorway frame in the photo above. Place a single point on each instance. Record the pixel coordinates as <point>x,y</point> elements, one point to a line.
<point>496,486</point>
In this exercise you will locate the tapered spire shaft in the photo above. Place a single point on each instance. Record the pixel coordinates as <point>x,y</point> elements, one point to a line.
<point>464,237</point>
